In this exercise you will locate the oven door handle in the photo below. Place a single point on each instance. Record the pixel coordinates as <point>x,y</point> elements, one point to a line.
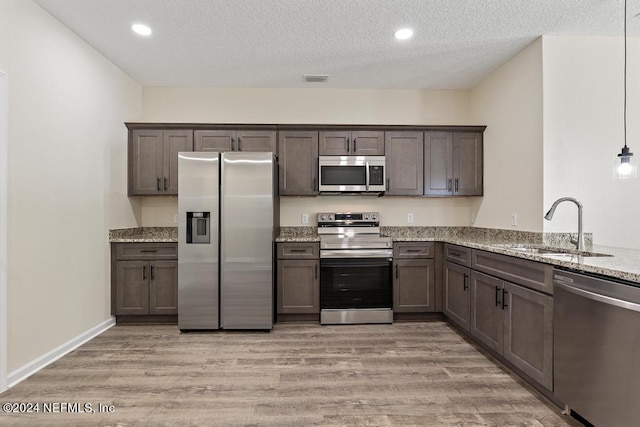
<point>356,253</point>
<point>355,263</point>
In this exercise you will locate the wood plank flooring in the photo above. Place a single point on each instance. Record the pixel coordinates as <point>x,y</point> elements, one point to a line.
<point>422,374</point>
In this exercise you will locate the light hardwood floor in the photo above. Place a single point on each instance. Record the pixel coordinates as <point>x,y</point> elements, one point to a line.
<point>299,374</point>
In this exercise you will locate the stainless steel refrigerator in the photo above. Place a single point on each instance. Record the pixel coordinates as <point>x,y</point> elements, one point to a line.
<point>227,222</point>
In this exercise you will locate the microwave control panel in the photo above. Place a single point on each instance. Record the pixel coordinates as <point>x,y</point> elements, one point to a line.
<point>376,175</point>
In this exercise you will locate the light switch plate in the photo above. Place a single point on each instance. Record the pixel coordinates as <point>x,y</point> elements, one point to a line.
<point>514,219</point>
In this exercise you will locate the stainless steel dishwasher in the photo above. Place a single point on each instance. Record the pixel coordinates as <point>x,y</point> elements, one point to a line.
<point>597,348</point>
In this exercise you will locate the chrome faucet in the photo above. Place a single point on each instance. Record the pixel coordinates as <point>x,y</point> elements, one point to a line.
<point>579,242</point>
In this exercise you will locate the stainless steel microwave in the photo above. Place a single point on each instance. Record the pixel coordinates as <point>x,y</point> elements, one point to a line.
<point>351,174</point>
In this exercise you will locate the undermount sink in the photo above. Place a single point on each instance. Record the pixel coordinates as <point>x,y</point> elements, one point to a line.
<point>557,253</point>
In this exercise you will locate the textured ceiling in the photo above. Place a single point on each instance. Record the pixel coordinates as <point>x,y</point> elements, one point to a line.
<point>272,43</point>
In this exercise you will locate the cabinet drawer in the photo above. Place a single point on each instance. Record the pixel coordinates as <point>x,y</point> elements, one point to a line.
<point>413,250</point>
<point>531,274</point>
<point>457,254</point>
<point>144,251</point>
<point>309,250</point>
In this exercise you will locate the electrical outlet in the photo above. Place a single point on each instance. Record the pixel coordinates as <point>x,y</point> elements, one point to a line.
<point>514,219</point>
<point>305,218</point>
<point>175,219</point>
<point>472,218</point>
<point>410,217</point>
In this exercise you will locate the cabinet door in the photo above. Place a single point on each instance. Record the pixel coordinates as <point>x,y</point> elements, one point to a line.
<point>298,163</point>
<point>334,143</point>
<point>456,294</point>
<point>367,143</point>
<point>413,285</point>
<point>298,286</point>
<point>404,161</point>
<point>528,334</point>
<point>467,163</point>
<point>174,142</point>
<point>145,162</point>
<point>132,287</point>
<point>438,164</point>
<point>256,140</point>
<point>214,140</point>
<point>487,319</point>
<point>163,287</point>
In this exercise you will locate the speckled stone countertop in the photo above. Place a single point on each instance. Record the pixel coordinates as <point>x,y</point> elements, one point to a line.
<point>623,264</point>
<point>143,234</point>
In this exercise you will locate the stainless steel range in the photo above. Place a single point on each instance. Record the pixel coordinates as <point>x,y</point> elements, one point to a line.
<point>355,269</point>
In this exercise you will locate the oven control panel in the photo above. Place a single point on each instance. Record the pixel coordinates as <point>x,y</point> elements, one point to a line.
<point>350,217</point>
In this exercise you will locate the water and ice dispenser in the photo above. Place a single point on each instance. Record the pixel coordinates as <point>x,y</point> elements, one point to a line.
<point>198,227</point>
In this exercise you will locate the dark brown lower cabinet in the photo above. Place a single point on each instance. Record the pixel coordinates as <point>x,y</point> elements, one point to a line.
<point>456,294</point>
<point>298,286</point>
<point>298,281</point>
<point>146,287</point>
<point>144,282</point>
<point>516,322</point>
<point>413,285</point>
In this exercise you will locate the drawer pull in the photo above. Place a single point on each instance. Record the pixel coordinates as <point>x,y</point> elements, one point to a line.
<point>298,250</point>
<point>414,250</point>
<point>455,254</point>
<point>149,250</point>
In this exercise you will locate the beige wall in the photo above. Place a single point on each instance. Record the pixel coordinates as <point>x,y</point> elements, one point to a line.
<point>66,179</point>
<point>583,132</point>
<point>394,107</point>
<point>509,102</point>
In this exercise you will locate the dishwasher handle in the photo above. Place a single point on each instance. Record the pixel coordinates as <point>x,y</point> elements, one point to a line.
<point>599,297</point>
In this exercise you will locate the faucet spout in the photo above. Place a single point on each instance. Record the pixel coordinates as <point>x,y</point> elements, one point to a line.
<point>579,242</point>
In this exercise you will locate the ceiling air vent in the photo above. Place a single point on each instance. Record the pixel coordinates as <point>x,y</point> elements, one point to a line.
<point>316,78</point>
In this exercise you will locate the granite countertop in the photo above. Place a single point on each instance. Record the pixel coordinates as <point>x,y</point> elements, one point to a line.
<point>143,235</point>
<point>623,264</point>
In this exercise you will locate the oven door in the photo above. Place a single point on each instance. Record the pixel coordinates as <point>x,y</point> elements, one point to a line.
<point>354,283</point>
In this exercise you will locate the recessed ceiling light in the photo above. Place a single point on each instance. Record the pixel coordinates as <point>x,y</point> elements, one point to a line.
<point>404,33</point>
<point>141,29</point>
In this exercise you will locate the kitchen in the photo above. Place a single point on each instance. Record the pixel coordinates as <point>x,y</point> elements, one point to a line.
<point>534,110</point>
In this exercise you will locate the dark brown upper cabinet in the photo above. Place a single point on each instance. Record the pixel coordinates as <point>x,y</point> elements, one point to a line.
<point>153,160</point>
<point>298,163</point>
<point>404,161</point>
<point>345,143</point>
<point>235,140</point>
<point>453,164</point>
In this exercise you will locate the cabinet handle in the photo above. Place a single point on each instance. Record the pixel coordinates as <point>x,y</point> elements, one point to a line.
<point>316,270</point>
<point>465,283</point>
<point>165,182</point>
<point>158,183</point>
<point>348,144</point>
<point>456,185</point>
<point>414,250</point>
<point>504,298</point>
<point>239,144</point>
<point>298,250</point>
<point>148,250</point>
<point>455,254</point>
<point>144,272</point>
<point>396,271</point>
<point>449,184</point>
<point>497,291</point>
<point>354,145</point>
<point>152,273</point>
<point>388,184</point>
<point>233,147</point>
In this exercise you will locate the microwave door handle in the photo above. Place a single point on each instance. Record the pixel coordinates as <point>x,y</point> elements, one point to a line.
<point>367,175</point>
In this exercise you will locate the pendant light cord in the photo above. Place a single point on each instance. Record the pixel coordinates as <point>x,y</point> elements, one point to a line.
<point>625,74</point>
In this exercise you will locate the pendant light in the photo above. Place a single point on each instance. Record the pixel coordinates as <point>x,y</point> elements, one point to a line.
<point>624,165</point>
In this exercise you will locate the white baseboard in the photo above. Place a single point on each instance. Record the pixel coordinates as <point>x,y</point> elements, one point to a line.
<point>34,366</point>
